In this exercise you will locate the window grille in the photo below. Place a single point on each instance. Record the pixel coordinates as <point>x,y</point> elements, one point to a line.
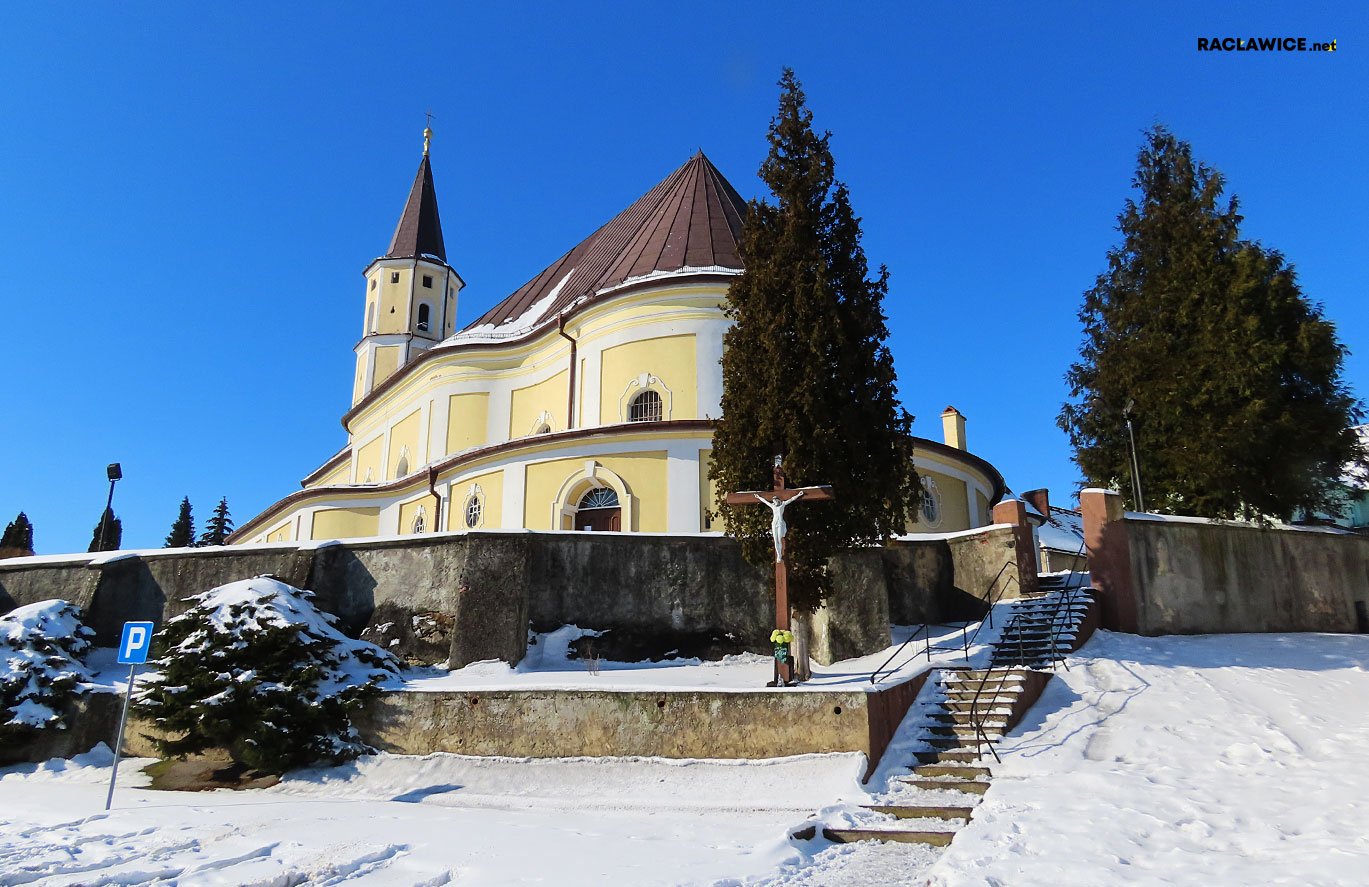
<point>646,407</point>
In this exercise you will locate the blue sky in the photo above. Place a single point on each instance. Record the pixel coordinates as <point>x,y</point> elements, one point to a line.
<point>188,195</point>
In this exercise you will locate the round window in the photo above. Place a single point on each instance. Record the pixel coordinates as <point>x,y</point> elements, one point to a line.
<point>473,511</point>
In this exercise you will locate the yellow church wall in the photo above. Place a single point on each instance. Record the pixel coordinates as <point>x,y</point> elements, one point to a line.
<point>467,421</point>
<point>530,402</point>
<point>955,512</point>
<point>644,474</point>
<point>394,302</point>
<point>670,358</point>
<point>403,437</point>
<point>982,507</point>
<point>368,460</point>
<point>338,475</point>
<point>279,534</point>
<point>408,510</point>
<point>708,492</point>
<point>360,380</point>
<point>492,509</point>
<point>345,523</point>
<point>387,361</point>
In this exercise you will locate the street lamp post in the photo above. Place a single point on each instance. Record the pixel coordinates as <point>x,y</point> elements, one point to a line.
<point>1135,465</point>
<point>115,474</point>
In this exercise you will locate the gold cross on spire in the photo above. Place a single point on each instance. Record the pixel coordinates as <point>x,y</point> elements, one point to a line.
<point>428,132</point>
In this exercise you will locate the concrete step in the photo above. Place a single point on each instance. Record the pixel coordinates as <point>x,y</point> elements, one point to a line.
<point>958,756</point>
<point>1007,680</point>
<point>852,835</point>
<point>951,771</point>
<point>905,812</point>
<point>968,786</point>
<point>964,730</point>
<point>954,742</point>
<point>964,718</point>
<point>984,706</point>
<point>976,675</point>
<point>1003,697</point>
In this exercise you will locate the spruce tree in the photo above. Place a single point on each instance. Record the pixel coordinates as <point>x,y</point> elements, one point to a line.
<point>255,669</point>
<point>182,533</point>
<point>112,538</point>
<point>1233,377</point>
<point>805,367</point>
<point>18,537</point>
<point>219,526</point>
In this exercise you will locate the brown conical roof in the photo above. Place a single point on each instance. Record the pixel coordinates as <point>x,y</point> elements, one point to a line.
<point>691,220</point>
<point>419,232</point>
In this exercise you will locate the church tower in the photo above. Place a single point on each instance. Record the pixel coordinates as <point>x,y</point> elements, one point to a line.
<point>410,291</point>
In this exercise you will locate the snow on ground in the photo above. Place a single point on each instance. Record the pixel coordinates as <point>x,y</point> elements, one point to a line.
<point>394,820</point>
<point>546,668</point>
<point>1214,760</point>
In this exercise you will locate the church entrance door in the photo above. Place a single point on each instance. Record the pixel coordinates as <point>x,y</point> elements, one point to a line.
<point>599,511</point>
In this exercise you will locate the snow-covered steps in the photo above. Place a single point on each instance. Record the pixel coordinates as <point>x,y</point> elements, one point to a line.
<point>851,835</point>
<point>904,811</point>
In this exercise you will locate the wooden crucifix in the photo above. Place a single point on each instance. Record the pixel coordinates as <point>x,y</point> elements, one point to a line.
<point>777,500</point>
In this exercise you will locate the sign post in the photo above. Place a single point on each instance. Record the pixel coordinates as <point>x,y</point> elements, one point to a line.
<point>777,500</point>
<point>133,647</point>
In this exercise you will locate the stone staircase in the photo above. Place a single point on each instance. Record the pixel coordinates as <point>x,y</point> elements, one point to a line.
<point>968,712</point>
<point>1045,626</point>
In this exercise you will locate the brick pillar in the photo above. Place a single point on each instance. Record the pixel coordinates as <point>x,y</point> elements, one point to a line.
<point>1014,511</point>
<point>1105,540</point>
<point>1040,500</point>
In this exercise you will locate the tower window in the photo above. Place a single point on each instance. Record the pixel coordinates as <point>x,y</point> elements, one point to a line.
<point>646,407</point>
<point>373,283</point>
<point>394,277</point>
<point>428,281</point>
<point>424,314</point>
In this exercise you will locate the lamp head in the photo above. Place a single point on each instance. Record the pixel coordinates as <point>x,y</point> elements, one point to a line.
<point>114,472</point>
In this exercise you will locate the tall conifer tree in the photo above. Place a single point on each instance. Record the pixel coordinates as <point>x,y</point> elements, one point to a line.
<point>112,537</point>
<point>219,526</point>
<point>805,367</point>
<point>1239,408</point>
<point>182,533</point>
<point>18,537</point>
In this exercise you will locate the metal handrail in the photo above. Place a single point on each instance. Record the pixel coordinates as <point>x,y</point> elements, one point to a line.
<point>966,639</point>
<point>1065,599</point>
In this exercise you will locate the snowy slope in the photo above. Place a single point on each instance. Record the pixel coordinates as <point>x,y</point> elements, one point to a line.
<point>1211,760</point>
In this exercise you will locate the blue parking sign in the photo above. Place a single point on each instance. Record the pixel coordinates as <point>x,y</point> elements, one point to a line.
<point>133,646</point>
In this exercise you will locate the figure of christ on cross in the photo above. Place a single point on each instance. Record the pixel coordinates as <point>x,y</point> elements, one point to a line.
<point>777,500</point>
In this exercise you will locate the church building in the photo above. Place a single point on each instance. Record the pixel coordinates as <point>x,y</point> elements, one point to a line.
<point>584,401</point>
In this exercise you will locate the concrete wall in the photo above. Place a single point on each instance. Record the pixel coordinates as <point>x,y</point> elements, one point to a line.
<point>1195,578</point>
<point>478,591</point>
<point>1190,576</point>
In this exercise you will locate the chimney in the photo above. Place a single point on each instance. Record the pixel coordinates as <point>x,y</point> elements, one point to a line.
<point>953,426</point>
<point>1040,500</point>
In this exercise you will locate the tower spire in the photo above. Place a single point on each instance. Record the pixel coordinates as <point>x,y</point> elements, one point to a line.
<point>427,132</point>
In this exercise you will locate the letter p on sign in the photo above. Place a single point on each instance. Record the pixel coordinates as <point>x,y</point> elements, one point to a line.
<point>133,646</point>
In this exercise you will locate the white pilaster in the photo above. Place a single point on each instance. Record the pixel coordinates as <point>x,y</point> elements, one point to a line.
<point>709,370</point>
<point>515,490</point>
<point>682,487</point>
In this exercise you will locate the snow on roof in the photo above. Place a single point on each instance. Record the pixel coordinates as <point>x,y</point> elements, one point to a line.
<point>1063,531</point>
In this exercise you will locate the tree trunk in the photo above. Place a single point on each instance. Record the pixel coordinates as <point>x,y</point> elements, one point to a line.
<point>801,623</point>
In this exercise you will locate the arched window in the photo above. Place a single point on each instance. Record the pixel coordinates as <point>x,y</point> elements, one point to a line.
<point>931,503</point>
<point>402,466</point>
<point>544,428</point>
<point>418,523</point>
<point>371,317</point>
<point>425,312</point>
<point>599,497</point>
<point>646,407</point>
<point>473,512</point>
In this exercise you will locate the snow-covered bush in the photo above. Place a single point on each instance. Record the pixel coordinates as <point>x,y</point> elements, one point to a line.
<point>254,668</point>
<point>42,648</point>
